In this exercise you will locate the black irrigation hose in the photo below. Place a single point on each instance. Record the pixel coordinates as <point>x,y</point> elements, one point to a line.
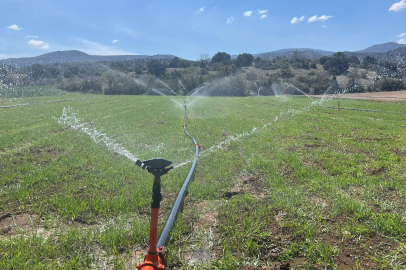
<point>172,216</point>
<point>364,110</point>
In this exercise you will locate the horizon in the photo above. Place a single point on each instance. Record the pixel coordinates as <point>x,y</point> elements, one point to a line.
<point>189,29</point>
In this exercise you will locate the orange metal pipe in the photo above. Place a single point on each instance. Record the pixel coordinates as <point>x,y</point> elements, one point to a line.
<point>153,232</point>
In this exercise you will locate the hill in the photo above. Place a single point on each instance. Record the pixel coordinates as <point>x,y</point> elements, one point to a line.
<point>382,48</point>
<point>396,56</point>
<point>74,57</point>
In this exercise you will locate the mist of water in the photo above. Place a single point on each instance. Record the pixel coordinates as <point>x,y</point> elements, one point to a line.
<point>69,119</point>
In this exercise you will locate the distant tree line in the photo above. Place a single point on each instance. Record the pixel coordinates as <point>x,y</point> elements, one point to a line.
<point>180,76</point>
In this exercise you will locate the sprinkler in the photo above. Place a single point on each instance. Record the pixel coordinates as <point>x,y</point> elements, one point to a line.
<point>155,258</point>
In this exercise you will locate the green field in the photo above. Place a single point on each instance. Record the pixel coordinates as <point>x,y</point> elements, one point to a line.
<point>279,181</point>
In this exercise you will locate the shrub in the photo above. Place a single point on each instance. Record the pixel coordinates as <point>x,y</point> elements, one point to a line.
<point>389,84</point>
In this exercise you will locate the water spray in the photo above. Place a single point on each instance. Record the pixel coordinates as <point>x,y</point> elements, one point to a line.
<point>155,258</point>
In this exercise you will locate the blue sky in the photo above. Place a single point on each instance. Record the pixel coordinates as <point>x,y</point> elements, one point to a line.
<point>189,28</point>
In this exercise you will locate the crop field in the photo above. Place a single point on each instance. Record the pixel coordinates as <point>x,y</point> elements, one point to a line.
<point>281,182</point>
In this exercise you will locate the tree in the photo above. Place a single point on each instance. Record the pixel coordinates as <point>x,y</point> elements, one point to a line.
<point>184,63</point>
<point>354,61</point>
<point>174,62</point>
<point>156,68</point>
<point>297,55</point>
<point>266,56</point>
<point>313,65</point>
<point>389,84</point>
<point>205,57</point>
<point>221,57</point>
<point>388,69</point>
<point>323,59</point>
<point>110,76</point>
<point>336,64</point>
<point>52,72</point>
<point>285,72</point>
<point>37,71</point>
<point>244,60</point>
<point>369,61</point>
<point>71,72</point>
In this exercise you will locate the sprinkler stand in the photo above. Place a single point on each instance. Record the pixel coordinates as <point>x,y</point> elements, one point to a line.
<point>155,258</point>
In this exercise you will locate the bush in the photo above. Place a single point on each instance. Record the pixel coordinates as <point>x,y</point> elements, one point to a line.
<point>354,86</point>
<point>244,60</point>
<point>369,62</point>
<point>285,72</point>
<point>221,57</point>
<point>388,84</point>
<point>313,65</point>
<point>336,64</point>
<point>156,68</point>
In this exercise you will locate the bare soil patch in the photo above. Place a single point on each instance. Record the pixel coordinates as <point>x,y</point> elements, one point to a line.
<point>381,96</point>
<point>11,224</point>
<point>208,218</point>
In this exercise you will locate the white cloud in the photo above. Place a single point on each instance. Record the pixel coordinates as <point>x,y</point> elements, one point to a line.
<point>264,16</point>
<point>247,13</point>
<point>38,44</point>
<point>29,36</point>
<point>230,20</point>
<point>296,20</point>
<point>95,48</point>
<point>3,56</point>
<point>402,35</point>
<point>201,9</point>
<point>324,18</point>
<point>115,41</point>
<point>398,6</point>
<point>323,26</point>
<point>14,27</point>
<point>262,11</point>
<point>402,41</point>
<point>321,18</point>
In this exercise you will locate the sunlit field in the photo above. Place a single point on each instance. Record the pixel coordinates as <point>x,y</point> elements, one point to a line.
<point>287,181</point>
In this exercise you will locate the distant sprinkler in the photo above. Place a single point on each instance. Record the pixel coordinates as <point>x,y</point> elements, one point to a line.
<point>185,109</point>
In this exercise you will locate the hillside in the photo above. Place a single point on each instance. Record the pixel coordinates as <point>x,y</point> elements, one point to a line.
<point>74,57</point>
<point>397,56</point>
<point>382,48</point>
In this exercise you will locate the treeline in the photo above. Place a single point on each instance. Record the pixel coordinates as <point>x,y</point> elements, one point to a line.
<point>219,74</point>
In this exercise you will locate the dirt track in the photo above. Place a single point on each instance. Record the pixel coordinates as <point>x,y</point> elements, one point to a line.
<point>381,96</point>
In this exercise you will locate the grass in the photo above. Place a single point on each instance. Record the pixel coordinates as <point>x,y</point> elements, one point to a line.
<point>29,91</point>
<point>309,186</point>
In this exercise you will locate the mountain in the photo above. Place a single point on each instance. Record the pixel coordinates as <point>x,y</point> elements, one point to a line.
<point>396,56</point>
<point>74,56</point>
<point>382,48</point>
<point>303,50</point>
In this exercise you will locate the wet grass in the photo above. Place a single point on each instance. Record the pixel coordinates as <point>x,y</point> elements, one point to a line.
<point>279,182</point>
<point>29,91</point>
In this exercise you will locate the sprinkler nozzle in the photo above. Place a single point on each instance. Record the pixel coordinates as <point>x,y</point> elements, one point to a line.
<point>156,166</point>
